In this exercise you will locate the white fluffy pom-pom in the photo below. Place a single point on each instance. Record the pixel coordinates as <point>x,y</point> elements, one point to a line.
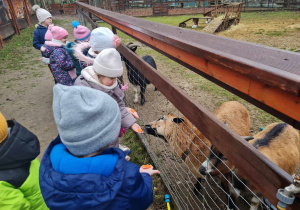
<point>35,7</point>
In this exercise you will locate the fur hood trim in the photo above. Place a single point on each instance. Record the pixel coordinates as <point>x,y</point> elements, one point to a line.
<point>53,44</point>
<point>79,55</point>
<point>90,75</point>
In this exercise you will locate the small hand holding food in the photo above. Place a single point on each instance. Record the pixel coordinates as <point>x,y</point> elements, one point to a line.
<point>133,112</point>
<point>148,169</point>
<point>136,128</point>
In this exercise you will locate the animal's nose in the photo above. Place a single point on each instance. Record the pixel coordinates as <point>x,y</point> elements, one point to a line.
<point>202,170</point>
<point>150,130</point>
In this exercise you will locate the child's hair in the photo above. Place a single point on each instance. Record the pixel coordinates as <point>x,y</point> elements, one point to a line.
<point>41,13</point>
<point>108,63</point>
<point>3,129</point>
<point>87,119</point>
<point>57,32</point>
<point>103,38</point>
<point>81,33</point>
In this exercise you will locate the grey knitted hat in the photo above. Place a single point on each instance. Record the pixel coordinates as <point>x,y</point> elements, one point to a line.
<point>87,119</point>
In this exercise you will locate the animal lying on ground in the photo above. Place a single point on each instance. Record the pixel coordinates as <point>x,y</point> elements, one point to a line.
<point>135,77</point>
<point>189,143</point>
<point>279,142</point>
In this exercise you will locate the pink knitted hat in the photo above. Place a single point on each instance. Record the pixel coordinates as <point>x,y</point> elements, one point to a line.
<point>58,32</point>
<point>81,33</point>
<point>48,35</point>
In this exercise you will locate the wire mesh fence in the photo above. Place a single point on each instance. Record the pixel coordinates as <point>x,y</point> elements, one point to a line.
<point>178,151</point>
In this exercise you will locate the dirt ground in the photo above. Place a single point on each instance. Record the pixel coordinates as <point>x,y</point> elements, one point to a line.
<point>27,95</point>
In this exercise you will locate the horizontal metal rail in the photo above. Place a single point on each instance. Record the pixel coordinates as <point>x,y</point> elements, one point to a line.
<point>262,173</point>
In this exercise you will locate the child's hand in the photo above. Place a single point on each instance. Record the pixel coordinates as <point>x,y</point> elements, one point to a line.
<point>148,170</point>
<point>136,128</point>
<point>133,112</point>
<point>41,59</point>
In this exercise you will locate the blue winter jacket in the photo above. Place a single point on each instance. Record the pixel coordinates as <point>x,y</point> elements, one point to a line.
<point>125,188</point>
<point>39,36</point>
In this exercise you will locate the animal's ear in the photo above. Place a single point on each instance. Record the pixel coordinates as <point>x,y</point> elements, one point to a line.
<point>178,120</point>
<point>133,49</point>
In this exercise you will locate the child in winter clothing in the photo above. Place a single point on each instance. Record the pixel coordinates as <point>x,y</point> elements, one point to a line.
<point>80,169</point>
<point>61,63</point>
<point>45,19</point>
<point>101,38</point>
<point>19,168</point>
<point>82,34</point>
<point>103,76</point>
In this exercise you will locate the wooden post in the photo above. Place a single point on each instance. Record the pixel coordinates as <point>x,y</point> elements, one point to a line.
<point>26,13</point>
<point>14,17</point>
<point>42,4</point>
<point>1,42</point>
<point>114,30</point>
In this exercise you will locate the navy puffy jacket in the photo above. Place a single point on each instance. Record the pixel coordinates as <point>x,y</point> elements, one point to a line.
<point>125,188</point>
<point>39,36</point>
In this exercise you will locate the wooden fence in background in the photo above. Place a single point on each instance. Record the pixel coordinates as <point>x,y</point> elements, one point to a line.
<point>14,16</point>
<point>267,77</point>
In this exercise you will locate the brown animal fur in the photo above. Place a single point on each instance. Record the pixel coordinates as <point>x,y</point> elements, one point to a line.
<point>238,119</point>
<point>284,152</point>
<point>180,136</point>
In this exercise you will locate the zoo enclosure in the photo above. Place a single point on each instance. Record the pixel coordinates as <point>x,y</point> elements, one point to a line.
<point>264,76</point>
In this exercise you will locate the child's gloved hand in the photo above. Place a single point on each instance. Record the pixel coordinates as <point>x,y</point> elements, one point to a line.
<point>136,128</point>
<point>148,169</point>
<point>133,112</point>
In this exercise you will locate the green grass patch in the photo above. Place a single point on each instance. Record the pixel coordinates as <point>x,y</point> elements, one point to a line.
<point>275,33</point>
<point>60,22</point>
<point>138,153</point>
<point>263,16</point>
<point>15,53</point>
<point>217,91</point>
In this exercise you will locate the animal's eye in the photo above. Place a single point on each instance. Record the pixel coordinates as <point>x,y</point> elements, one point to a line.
<point>162,118</point>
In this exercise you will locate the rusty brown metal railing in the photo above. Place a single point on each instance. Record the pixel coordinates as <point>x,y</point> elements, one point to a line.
<point>267,77</point>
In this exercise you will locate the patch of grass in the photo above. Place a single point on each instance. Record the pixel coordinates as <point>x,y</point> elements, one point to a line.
<point>138,153</point>
<point>37,74</point>
<point>60,22</point>
<point>15,50</point>
<point>260,31</point>
<point>297,29</point>
<point>266,118</point>
<point>217,91</point>
<point>275,33</point>
<point>262,16</point>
